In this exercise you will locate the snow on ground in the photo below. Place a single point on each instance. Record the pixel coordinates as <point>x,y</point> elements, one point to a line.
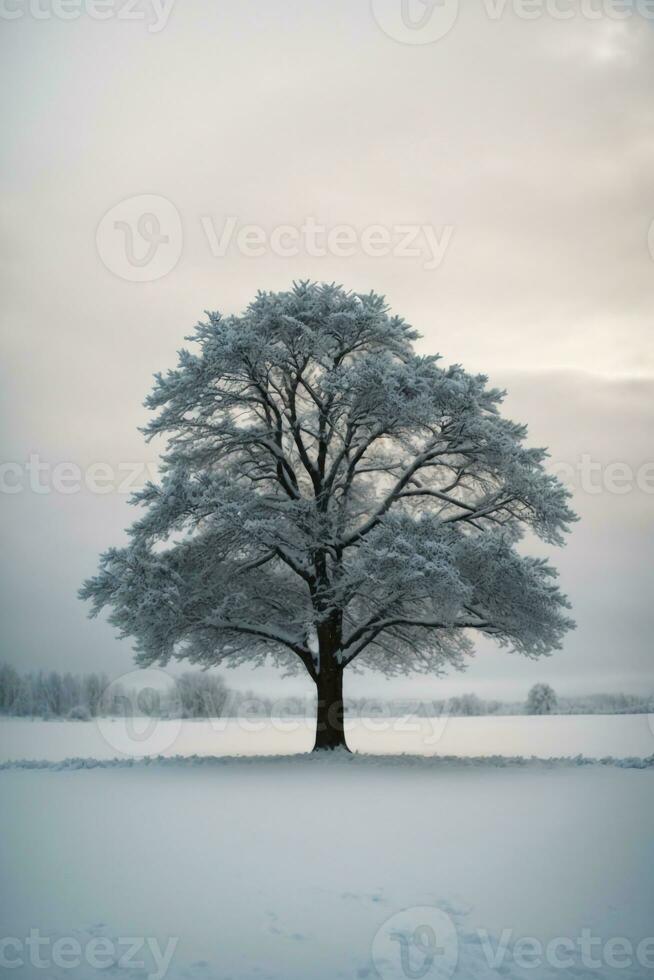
<point>555,735</point>
<point>322,868</point>
<point>463,865</point>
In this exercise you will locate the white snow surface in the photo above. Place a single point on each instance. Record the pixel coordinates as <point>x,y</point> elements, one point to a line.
<point>325,867</point>
<point>545,736</point>
<point>288,868</point>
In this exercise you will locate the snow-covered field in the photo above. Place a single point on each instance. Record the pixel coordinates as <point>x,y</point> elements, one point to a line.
<point>545,737</point>
<point>312,868</point>
<point>295,868</point>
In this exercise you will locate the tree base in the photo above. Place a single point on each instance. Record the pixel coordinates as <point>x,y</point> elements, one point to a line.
<point>339,747</point>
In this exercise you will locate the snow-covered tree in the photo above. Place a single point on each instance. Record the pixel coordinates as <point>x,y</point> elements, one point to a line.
<point>541,700</point>
<point>329,497</point>
<point>467,704</point>
<point>9,687</point>
<point>200,695</point>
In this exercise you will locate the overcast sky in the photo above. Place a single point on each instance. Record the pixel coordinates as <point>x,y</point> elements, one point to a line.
<point>511,158</point>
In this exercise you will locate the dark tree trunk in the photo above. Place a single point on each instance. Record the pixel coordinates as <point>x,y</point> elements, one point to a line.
<point>330,732</point>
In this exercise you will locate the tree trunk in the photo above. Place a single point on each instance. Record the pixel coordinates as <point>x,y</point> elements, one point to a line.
<point>330,732</point>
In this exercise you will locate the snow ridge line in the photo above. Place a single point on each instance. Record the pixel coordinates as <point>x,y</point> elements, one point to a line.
<point>332,758</point>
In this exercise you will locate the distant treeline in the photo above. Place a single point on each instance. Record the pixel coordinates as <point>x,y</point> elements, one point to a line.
<point>80,697</point>
<point>468,705</point>
<point>49,694</point>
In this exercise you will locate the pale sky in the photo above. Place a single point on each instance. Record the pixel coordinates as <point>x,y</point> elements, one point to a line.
<point>525,147</point>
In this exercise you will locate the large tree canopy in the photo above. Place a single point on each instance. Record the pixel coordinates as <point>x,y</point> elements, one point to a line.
<point>329,496</point>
